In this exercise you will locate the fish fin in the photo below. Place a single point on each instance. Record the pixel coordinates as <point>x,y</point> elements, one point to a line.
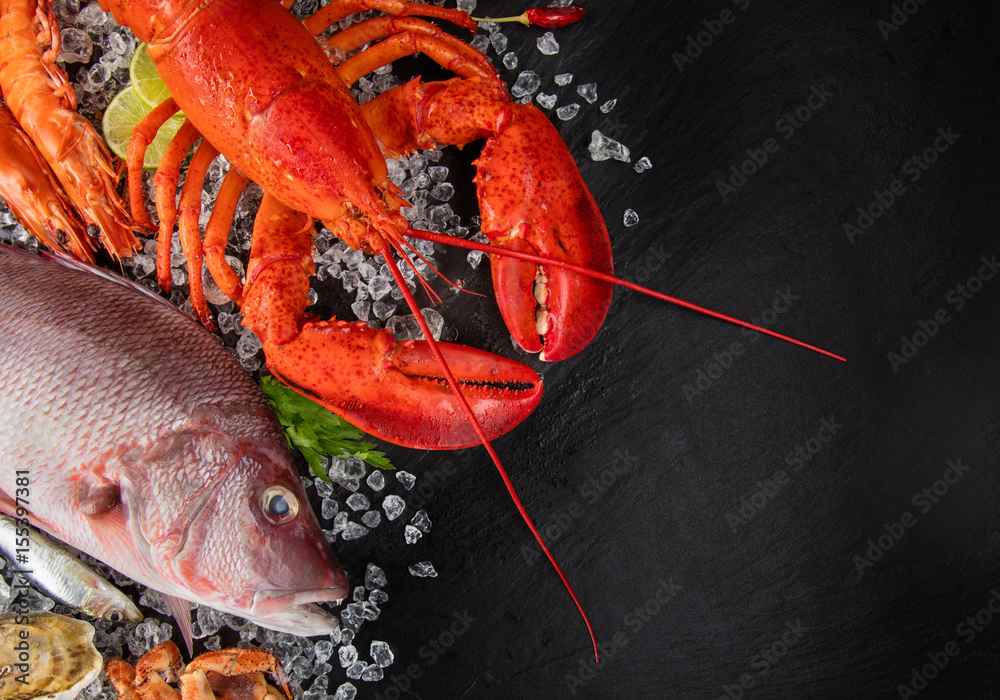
<point>181,610</point>
<point>66,260</point>
<point>97,496</point>
<point>9,507</point>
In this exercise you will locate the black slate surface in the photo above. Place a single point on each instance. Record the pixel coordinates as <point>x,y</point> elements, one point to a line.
<point>740,517</point>
<point>743,518</point>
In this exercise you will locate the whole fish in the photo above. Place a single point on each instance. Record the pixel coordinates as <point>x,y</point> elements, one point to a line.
<point>60,574</point>
<point>132,434</point>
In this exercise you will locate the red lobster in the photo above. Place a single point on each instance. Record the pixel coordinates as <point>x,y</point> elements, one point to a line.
<point>255,83</point>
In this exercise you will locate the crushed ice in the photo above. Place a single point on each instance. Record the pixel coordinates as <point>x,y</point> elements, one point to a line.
<point>604,148</point>
<point>91,38</point>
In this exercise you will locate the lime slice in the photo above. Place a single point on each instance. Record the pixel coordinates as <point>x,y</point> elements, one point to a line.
<point>124,114</point>
<point>145,79</point>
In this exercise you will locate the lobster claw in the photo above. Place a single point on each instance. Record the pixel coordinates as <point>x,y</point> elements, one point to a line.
<point>396,391</point>
<point>533,199</point>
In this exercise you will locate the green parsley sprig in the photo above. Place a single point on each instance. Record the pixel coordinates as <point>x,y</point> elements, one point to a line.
<point>317,432</point>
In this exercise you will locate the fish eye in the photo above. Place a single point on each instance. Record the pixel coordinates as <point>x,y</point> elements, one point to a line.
<point>279,505</point>
<point>114,617</point>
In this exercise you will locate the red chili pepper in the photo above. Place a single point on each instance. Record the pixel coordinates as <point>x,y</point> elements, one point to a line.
<point>553,17</point>
<point>548,17</point>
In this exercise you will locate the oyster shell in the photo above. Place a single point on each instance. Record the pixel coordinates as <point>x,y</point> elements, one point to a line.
<point>59,661</point>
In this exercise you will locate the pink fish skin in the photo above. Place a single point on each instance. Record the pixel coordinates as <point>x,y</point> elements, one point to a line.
<point>140,440</point>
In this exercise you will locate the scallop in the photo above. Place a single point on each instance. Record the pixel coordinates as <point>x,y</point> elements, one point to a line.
<point>46,657</point>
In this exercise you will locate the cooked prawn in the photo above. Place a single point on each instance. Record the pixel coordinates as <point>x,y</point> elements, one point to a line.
<point>43,102</point>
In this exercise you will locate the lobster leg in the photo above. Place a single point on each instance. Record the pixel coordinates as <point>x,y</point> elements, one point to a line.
<point>376,28</point>
<point>217,235</point>
<point>165,180</point>
<point>142,136</point>
<point>339,9</point>
<point>190,210</point>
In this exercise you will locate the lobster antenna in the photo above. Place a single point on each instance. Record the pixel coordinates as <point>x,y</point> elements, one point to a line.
<point>540,260</point>
<point>453,383</point>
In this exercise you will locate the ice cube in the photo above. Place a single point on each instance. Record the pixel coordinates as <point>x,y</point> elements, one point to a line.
<point>604,148</point>
<point>422,569</point>
<point>324,489</point>
<point>546,100</point>
<point>372,519</point>
<point>642,165</point>
<point>358,501</point>
<point>421,521</point>
<point>418,164</point>
<point>480,42</point>
<point>499,42</point>
<point>393,506</point>
<point>375,578</point>
<point>248,345</point>
<point>510,60</point>
<point>76,46</point>
<point>329,508</point>
<point>567,112</point>
<point>443,191</point>
<point>358,595</point>
<point>466,5</point>
<point>376,482</point>
<point>403,328</point>
<point>354,531</point>
<point>564,79</point>
<point>527,83</point>
<point>382,309</point>
<point>356,670</point>
<point>323,650</point>
<point>587,91</point>
<point>630,218</point>
<point>347,691</point>
<point>348,655</point>
<point>340,522</point>
<point>547,44</point>
<point>609,105</point>
<point>372,673</point>
<point>362,310</point>
<point>406,479</point>
<point>347,471</point>
<point>369,611</point>
<point>411,534</point>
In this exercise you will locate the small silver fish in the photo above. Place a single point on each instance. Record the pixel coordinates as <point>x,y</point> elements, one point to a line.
<point>64,577</point>
<point>132,434</point>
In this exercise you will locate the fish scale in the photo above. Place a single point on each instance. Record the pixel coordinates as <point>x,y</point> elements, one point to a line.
<point>148,447</point>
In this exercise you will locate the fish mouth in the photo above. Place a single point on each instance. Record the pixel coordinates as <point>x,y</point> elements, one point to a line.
<point>295,612</point>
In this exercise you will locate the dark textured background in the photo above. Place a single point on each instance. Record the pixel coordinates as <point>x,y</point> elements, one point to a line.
<point>660,465</point>
<point>691,463</point>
